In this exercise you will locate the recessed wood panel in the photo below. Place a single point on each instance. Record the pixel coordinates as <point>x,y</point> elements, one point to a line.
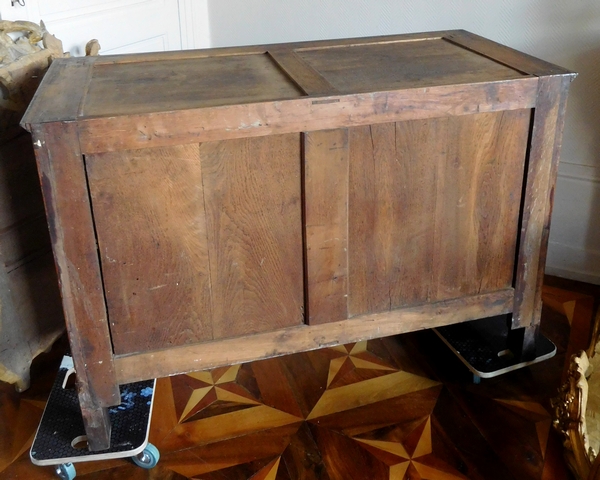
<point>254,217</point>
<point>151,226</point>
<point>479,192</point>
<point>433,208</point>
<point>393,65</point>
<point>142,87</point>
<point>199,242</point>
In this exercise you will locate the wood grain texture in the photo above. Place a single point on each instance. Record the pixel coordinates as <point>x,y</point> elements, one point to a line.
<point>302,338</point>
<point>326,224</point>
<point>254,217</point>
<point>76,257</point>
<point>477,207</point>
<point>433,208</point>
<point>392,219</point>
<point>359,68</point>
<point>301,73</point>
<point>305,114</point>
<point>54,102</point>
<point>374,215</point>
<point>183,84</point>
<point>542,167</point>
<point>256,49</point>
<point>505,55</point>
<point>151,223</point>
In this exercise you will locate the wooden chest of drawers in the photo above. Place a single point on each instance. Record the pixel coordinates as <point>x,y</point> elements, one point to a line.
<point>219,206</point>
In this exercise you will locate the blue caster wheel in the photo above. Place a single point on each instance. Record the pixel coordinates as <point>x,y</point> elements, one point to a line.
<point>66,471</point>
<point>148,458</point>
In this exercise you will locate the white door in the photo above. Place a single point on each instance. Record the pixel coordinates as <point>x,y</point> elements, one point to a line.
<point>123,26</point>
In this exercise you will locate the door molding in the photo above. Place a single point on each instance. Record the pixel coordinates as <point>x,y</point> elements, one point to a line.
<point>195,27</point>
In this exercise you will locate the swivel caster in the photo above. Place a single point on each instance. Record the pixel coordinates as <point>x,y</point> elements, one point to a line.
<point>66,471</point>
<point>148,458</point>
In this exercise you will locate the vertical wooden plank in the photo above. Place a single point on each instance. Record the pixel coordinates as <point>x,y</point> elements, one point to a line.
<point>149,211</point>
<point>326,229</point>
<point>393,177</point>
<point>64,186</point>
<point>478,196</point>
<point>373,214</point>
<point>254,217</point>
<point>420,147</point>
<point>546,138</point>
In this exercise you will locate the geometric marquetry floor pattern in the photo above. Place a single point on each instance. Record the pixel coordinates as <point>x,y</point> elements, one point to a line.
<point>395,408</point>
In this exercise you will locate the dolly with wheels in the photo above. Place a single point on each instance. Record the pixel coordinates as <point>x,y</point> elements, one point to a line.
<point>60,440</point>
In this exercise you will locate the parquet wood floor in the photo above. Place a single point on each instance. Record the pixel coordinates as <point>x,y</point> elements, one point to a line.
<point>397,408</point>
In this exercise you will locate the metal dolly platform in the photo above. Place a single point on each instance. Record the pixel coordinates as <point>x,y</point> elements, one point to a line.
<point>60,440</point>
<point>482,345</point>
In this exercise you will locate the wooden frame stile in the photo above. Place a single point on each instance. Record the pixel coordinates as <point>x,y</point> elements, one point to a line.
<point>539,181</point>
<point>322,117</point>
<point>76,258</point>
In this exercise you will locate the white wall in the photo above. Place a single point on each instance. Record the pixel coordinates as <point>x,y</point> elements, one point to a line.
<point>566,32</point>
<point>121,26</point>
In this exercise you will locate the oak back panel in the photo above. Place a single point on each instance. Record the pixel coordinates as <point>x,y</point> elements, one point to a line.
<point>199,242</point>
<point>420,211</point>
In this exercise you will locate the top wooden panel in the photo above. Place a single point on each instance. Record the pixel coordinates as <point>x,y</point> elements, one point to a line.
<point>173,81</point>
<point>399,65</point>
<point>143,87</point>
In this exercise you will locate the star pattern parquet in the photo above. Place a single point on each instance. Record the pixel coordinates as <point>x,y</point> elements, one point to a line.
<point>399,408</point>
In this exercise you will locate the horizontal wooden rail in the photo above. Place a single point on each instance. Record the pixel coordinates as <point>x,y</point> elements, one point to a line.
<point>102,134</point>
<point>218,353</point>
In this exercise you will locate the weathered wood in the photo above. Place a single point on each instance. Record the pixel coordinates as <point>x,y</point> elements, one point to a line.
<point>257,49</point>
<point>97,427</point>
<point>305,114</point>
<point>414,166</point>
<point>477,205</point>
<point>254,218</point>
<point>72,233</point>
<point>31,316</point>
<point>326,224</point>
<point>358,69</point>
<point>541,172</point>
<point>374,218</point>
<point>186,84</point>
<point>302,338</point>
<point>309,80</point>
<point>434,208</point>
<point>53,103</point>
<point>505,55</point>
<point>157,276</point>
